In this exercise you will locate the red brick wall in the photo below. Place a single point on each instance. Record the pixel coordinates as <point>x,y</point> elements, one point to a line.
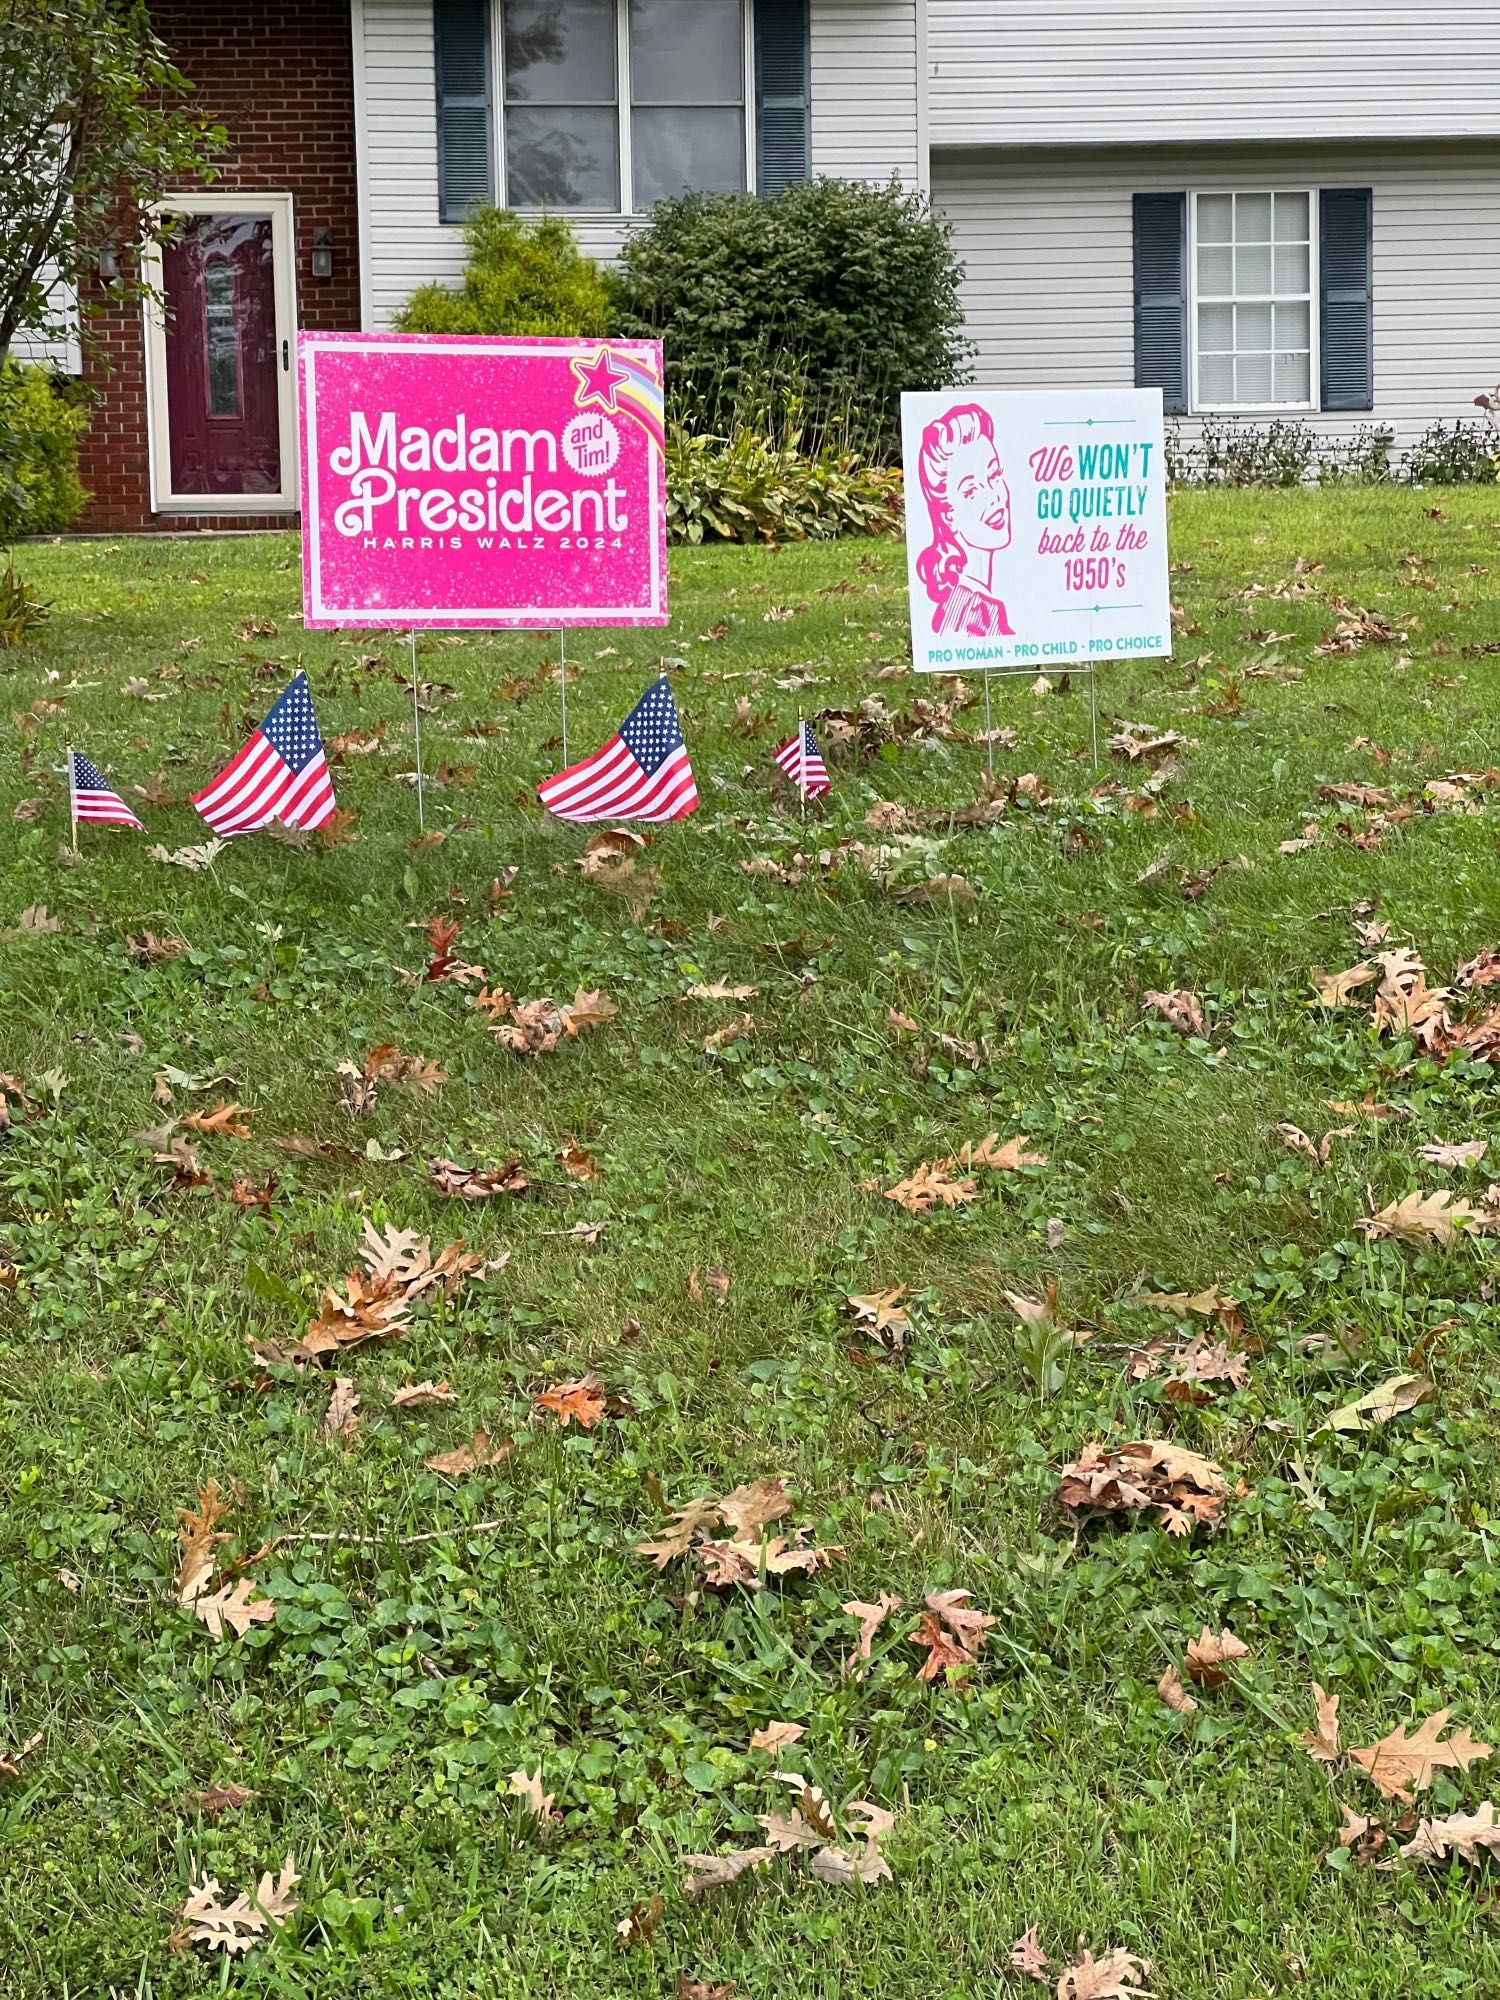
<point>278,75</point>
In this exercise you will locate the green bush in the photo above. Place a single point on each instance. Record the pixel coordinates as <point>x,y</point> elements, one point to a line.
<point>751,488</point>
<point>40,422</point>
<point>521,277</point>
<point>1463,453</point>
<point>835,292</point>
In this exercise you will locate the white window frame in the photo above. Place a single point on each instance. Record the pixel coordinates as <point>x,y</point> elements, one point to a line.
<point>627,210</point>
<point>247,201</point>
<point>1314,361</point>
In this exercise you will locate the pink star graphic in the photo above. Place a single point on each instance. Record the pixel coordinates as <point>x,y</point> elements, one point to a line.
<point>597,379</point>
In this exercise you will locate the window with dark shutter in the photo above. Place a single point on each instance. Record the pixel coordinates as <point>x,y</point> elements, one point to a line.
<point>461,55</point>
<point>1346,284</point>
<point>783,95</point>
<point>1161,308</point>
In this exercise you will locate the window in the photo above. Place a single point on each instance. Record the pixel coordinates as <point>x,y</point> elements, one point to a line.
<point>611,105</point>
<point>1254,287</point>
<point>221,339</point>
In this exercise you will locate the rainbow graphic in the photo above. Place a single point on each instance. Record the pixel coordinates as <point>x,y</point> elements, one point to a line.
<point>624,384</point>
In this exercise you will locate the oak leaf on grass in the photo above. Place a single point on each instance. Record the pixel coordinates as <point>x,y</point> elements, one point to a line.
<point>882,1314</point>
<point>951,1633</point>
<point>218,1799</point>
<point>932,1186</point>
<point>1322,1743</point>
<point>1468,1153</point>
<point>1399,1765</point>
<point>712,1283</point>
<point>1337,989</point>
<point>476,1183</point>
<point>777,1736</point>
<point>1000,1158</point>
<point>686,1524</point>
<point>1028,1958</point>
<point>718,1871</point>
<point>422,1395</point>
<point>529,1790</point>
<point>235,1927</point>
<point>1468,1835</point>
<point>1420,1220</point>
<point>871,1617</point>
<point>1113,1977</point>
<point>1209,1656</point>
<point>640,1926</point>
<point>472,1457</point>
<point>720,989</point>
<point>225,1121</point>
<point>585,1402</point>
<point>231,1606</point>
<point>341,1419</point>
<point>1180,1009</point>
<point>1174,1694</point>
<point>1187,1490</point>
<point>198,1535</point>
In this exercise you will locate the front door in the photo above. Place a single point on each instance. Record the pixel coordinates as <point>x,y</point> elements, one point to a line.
<point>220,340</point>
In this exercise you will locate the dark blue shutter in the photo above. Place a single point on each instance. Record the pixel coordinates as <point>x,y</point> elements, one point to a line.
<point>1346,282</point>
<point>465,123</point>
<point>783,95</point>
<point>1161,306</point>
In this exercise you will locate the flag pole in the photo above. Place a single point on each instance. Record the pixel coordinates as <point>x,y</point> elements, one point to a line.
<point>72,798</point>
<point>802,764</point>
<point>562,687</point>
<point>416,719</point>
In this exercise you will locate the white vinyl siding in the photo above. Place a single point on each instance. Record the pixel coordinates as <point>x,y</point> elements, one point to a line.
<point>1045,239</point>
<point>864,126</point>
<point>1099,72</point>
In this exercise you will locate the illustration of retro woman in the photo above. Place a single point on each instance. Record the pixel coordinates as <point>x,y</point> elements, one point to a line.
<point>964,483</point>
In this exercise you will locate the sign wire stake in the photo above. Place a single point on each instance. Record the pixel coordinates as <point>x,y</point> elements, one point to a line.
<point>562,689</point>
<point>416,717</point>
<point>1094,711</point>
<point>989,734</point>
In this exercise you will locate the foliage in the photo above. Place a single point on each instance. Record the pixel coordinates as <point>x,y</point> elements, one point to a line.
<point>852,290</point>
<point>40,424</point>
<point>21,611</point>
<point>750,488</point>
<point>1235,451</point>
<point>92,131</point>
<point>1463,453</point>
<point>490,1735</point>
<point>521,277</point>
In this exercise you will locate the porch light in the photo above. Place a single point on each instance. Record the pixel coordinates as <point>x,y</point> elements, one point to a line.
<point>322,254</point>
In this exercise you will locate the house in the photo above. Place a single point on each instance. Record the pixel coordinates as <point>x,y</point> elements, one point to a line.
<point>1261,208</point>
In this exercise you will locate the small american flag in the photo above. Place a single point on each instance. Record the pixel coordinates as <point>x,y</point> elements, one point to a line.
<point>280,774</point>
<point>803,763</point>
<point>641,773</point>
<point>92,798</point>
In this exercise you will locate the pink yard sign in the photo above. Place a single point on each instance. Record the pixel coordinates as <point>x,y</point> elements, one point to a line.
<point>465,480</point>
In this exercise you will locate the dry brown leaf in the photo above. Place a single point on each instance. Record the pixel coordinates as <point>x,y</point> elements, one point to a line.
<point>1028,1958</point>
<point>932,1186</point>
<point>717,1871</point>
<point>1468,1835</point>
<point>198,1535</point>
<point>529,1790</point>
<point>341,1418</point>
<point>952,1634</point>
<point>1420,1220</point>
<point>12,1760</point>
<point>1210,1655</point>
<point>1186,1490</point>
<point>146,948</point>
<point>587,1010</point>
<point>713,1284</point>
<point>790,1833</point>
<point>1174,1694</point>
<point>1113,1977</point>
<point>1467,1154</point>
<point>422,1396</point>
<point>1180,1010</point>
<point>719,990</point>
<point>1337,989</point>
<point>871,1617</point>
<point>641,1926</point>
<point>735,1031</point>
<point>232,1607</point>
<point>1405,1004</point>
<point>730,1562</point>
<point>749,1510</point>
<point>235,1927</point>
<point>776,1736</point>
<point>988,1152</point>
<point>677,1538</point>
<point>1322,1743</point>
<point>578,1163</point>
<point>1399,1765</point>
<point>221,1798</point>
<point>584,1403</point>
<point>836,1865</point>
<point>225,1121</point>
<point>472,1457</point>
<point>880,1313</point>
<point>476,1183</point>
<point>1180,1304</point>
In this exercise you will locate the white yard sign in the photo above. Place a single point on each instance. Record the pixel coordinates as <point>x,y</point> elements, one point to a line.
<point>1036,528</point>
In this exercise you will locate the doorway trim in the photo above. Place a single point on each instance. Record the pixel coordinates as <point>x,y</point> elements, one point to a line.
<point>240,201</point>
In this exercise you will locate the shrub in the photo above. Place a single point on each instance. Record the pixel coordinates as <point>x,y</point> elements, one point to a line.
<point>40,421</point>
<point>1456,454</point>
<point>21,611</point>
<point>521,277</point>
<point>748,487</point>
<point>1233,451</point>
<point>835,291</point>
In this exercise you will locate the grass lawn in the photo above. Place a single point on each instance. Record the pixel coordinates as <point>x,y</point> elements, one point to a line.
<point>377,1717</point>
